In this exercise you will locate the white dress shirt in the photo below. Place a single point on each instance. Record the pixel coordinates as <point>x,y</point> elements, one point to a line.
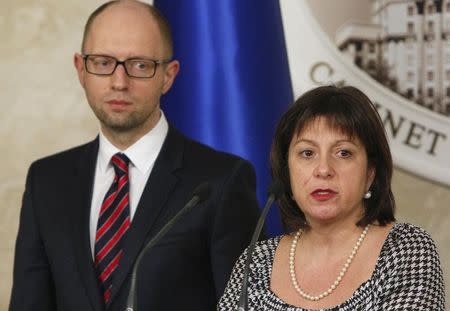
<point>142,155</point>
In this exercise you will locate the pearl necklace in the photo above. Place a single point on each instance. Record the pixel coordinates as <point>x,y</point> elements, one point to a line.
<point>333,286</point>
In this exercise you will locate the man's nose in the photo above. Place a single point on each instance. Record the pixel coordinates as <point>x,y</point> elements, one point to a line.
<point>120,78</point>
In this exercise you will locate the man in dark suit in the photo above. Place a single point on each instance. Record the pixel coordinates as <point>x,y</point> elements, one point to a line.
<point>87,212</point>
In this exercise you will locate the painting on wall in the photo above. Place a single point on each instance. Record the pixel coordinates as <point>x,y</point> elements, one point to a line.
<point>395,51</point>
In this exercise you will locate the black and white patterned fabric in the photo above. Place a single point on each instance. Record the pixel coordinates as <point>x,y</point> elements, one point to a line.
<point>407,276</point>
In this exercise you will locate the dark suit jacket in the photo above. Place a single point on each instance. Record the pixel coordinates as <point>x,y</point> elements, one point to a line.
<point>187,270</point>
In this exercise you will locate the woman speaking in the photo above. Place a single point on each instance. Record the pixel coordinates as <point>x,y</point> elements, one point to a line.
<point>344,250</point>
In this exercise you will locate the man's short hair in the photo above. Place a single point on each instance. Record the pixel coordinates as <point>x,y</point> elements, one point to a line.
<point>161,21</point>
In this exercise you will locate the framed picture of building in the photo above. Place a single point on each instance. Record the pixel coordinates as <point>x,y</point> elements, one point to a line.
<point>397,52</point>
<point>405,46</point>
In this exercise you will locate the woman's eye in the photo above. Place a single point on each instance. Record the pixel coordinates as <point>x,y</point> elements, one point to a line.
<point>306,153</point>
<point>344,153</point>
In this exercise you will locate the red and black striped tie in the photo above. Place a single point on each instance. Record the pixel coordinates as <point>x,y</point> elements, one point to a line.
<point>113,223</point>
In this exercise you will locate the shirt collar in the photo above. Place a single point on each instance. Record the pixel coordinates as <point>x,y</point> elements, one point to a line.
<point>142,153</point>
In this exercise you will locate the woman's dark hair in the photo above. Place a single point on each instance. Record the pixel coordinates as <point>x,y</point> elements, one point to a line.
<point>349,110</point>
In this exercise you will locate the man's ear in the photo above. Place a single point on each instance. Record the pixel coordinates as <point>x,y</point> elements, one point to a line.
<point>170,73</point>
<point>78,62</point>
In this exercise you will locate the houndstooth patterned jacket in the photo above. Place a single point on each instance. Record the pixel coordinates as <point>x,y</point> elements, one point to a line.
<point>407,276</point>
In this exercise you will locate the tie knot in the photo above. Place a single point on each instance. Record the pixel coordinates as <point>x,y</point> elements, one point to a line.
<point>120,162</point>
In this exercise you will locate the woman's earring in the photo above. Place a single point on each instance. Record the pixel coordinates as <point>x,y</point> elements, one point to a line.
<point>368,195</point>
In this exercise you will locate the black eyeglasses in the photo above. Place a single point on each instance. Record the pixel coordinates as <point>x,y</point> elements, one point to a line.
<point>103,65</point>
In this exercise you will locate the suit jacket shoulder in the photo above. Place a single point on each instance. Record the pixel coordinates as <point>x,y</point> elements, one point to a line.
<point>67,158</point>
<point>206,160</point>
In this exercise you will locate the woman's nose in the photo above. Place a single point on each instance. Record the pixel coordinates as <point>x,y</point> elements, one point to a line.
<point>324,168</point>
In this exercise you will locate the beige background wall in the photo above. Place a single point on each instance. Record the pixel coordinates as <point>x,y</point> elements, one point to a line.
<point>43,111</point>
<point>42,106</point>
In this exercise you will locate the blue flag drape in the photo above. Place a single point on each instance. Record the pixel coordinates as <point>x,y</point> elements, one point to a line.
<point>234,82</point>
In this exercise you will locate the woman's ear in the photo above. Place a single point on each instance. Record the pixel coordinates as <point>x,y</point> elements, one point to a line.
<point>371,172</point>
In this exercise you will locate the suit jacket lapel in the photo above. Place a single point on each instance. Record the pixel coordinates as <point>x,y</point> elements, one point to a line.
<point>80,206</point>
<point>160,184</point>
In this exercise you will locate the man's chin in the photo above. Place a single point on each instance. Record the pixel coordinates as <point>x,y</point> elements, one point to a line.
<point>120,125</point>
<point>116,122</point>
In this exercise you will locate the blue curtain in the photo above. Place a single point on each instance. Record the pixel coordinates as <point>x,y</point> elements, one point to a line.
<point>234,82</point>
